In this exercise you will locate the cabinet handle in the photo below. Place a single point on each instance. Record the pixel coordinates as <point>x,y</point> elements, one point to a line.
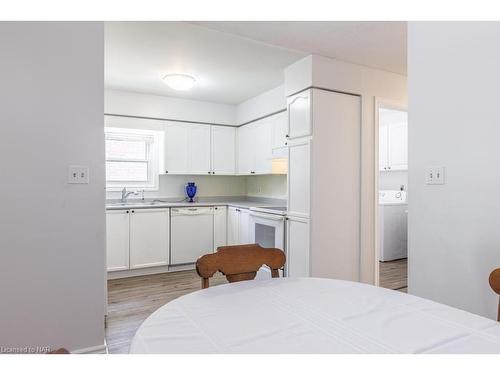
<point>287,136</point>
<point>213,172</point>
<point>166,171</point>
<point>133,211</point>
<point>127,211</point>
<point>389,167</point>
<point>209,172</point>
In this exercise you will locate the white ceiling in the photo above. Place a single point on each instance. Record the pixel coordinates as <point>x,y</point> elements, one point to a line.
<point>228,68</point>
<point>380,45</point>
<point>234,61</point>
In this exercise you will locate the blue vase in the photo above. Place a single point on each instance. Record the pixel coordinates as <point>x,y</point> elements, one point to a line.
<point>191,190</point>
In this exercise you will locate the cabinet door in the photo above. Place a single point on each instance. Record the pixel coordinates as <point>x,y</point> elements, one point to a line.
<point>299,115</point>
<point>280,128</point>
<point>176,148</point>
<point>263,147</point>
<point>299,178</point>
<point>199,149</point>
<point>233,226</point>
<point>297,247</point>
<point>223,150</point>
<point>246,149</point>
<point>244,226</point>
<point>117,240</point>
<point>220,226</point>
<point>398,146</point>
<point>149,237</point>
<point>383,148</point>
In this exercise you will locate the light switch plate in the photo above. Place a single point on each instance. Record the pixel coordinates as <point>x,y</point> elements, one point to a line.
<point>78,174</point>
<point>434,176</point>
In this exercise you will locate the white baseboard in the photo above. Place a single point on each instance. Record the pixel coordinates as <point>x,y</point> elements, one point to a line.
<point>99,349</point>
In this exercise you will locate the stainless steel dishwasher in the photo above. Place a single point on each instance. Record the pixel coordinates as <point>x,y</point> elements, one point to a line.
<point>191,233</point>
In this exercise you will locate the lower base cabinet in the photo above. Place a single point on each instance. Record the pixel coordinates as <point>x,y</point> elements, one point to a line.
<point>297,246</point>
<point>238,226</point>
<point>220,226</point>
<point>137,238</point>
<point>149,238</point>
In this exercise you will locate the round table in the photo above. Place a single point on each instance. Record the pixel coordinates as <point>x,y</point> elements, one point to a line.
<point>311,315</point>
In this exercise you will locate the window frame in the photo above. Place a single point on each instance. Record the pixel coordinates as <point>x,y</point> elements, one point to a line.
<point>152,139</point>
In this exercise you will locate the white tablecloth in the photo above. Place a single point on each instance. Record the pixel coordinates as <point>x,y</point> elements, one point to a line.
<point>308,315</point>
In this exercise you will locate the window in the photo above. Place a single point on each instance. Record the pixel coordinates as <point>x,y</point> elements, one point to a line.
<point>131,159</point>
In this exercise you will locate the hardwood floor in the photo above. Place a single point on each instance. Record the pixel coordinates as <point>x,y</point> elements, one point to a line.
<point>394,275</point>
<point>132,300</point>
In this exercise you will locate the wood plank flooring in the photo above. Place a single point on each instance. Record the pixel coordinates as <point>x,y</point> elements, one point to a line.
<point>132,300</point>
<point>394,275</point>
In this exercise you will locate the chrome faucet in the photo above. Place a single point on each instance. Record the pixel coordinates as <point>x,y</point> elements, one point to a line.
<point>125,194</point>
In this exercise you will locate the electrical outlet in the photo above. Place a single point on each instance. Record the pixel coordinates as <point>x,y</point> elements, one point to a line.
<point>78,174</point>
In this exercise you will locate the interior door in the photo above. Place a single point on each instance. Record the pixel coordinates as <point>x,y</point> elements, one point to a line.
<point>176,148</point>
<point>117,240</point>
<point>223,150</point>
<point>199,149</point>
<point>149,237</point>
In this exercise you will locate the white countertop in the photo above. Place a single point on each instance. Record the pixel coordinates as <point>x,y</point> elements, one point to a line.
<point>133,204</point>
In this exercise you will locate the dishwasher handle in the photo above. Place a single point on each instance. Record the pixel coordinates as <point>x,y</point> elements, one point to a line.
<point>191,211</point>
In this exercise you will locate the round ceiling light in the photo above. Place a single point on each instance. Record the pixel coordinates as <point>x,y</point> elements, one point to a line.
<point>181,82</point>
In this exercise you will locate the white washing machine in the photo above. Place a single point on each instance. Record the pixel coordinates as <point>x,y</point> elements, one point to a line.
<point>393,225</point>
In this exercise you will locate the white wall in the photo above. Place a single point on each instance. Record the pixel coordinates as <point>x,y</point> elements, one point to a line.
<point>261,105</point>
<point>266,186</point>
<point>135,104</point>
<point>52,258</point>
<point>371,84</point>
<point>173,186</point>
<point>454,236</point>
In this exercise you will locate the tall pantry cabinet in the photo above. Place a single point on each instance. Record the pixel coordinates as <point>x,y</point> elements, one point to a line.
<point>324,178</point>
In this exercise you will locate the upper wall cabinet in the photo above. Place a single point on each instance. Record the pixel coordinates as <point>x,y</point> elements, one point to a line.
<point>246,149</point>
<point>199,149</point>
<point>176,148</point>
<point>299,115</point>
<point>280,130</point>
<point>223,150</point>
<point>393,147</point>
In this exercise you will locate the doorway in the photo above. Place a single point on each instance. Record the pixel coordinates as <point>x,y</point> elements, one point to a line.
<point>392,196</point>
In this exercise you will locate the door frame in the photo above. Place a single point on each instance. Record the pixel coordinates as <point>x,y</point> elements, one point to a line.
<point>389,104</point>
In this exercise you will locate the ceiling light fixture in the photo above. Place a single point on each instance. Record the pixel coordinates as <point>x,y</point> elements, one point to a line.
<point>181,82</point>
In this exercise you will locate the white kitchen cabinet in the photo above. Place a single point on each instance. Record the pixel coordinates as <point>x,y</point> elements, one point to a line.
<point>149,237</point>
<point>297,247</point>
<point>299,177</point>
<point>393,143</point>
<point>117,240</point>
<point>220,226</point>
<point>238,226</point>
<point>263,146</point>
<point>199,149</point>
<point>233,226</point>
<point>223,150</point>
<point>246,149</point>
<point>299,115</point>
<point>280,129</point>
<point>244,226</point>
<point>176,148</point>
